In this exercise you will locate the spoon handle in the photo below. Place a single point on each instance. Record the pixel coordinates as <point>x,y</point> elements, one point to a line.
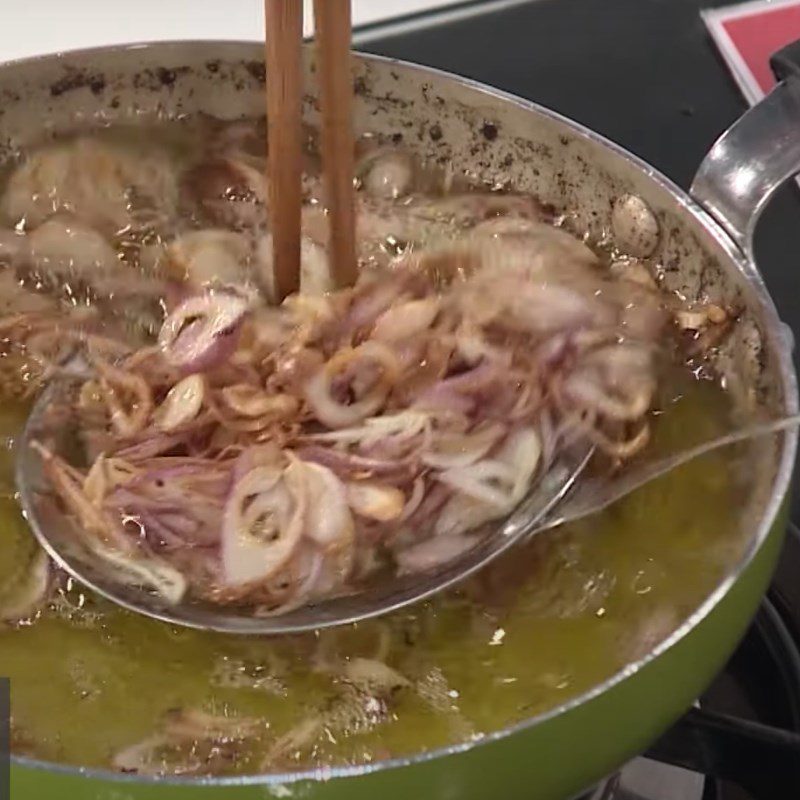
<point>596,494</point>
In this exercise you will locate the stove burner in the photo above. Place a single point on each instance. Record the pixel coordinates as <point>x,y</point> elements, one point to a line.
<point>742,740</point>
<point>645,779</point>
<point>744,735</point>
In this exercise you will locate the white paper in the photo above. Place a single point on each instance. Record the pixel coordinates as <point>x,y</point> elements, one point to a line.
<point>35,27</point>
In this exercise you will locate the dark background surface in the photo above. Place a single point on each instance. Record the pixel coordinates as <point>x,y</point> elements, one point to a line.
<point>642,72</point>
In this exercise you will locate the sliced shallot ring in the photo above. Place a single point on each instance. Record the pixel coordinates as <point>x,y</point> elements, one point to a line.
<point>405,424</point>
<point>274,490</point>
<point>93,523</point>
<point>167,581</point>
<point>432,553</point>
<point>503,480</point>
<point>414,501</point>
<point>182,403</point>
<point>113,383</point>
<point>302,593</point>
<point>461,449</point>
<point>406,319</point>
<point>586,392</point>
<point>235,425</point>
<point>249,401</point>
<point>375,500</point>
<point>481,481</point>
<point>331,412</point>
<point>621,449</point>
<point>200,332</point>
<point>461,514</point>
<point>95,485</point>
<point>522,451</point>
<point>328,519</point>
<point>30,594</point>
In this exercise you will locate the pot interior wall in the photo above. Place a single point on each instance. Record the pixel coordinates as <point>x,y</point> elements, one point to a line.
<point>465,127</point>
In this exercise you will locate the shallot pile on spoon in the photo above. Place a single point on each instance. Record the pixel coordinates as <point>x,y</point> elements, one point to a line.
<point>129,582</point>
<point>269,469</point>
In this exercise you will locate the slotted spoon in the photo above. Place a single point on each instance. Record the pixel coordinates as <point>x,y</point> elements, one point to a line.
<point>558,498</point>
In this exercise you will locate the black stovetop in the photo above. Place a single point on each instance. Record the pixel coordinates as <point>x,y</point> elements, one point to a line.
<point>645,74</point>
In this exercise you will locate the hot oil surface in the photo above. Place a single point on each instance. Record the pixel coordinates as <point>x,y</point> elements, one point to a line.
<point>535,630</point>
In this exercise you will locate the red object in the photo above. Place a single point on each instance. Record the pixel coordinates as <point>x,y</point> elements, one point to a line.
<point>759,34</point>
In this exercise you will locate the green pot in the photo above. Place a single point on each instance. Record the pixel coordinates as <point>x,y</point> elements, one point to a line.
<point>554,756</point>
<point>558,754</point>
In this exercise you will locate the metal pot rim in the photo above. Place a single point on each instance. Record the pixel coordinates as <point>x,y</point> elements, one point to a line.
<point>780,486</point>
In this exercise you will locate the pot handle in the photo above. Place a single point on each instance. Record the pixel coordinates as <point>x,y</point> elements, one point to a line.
<point>754,156</point>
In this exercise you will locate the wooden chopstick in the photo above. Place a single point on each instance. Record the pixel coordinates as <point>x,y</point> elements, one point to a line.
<point>333,30</point>
<point>284,40</point>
